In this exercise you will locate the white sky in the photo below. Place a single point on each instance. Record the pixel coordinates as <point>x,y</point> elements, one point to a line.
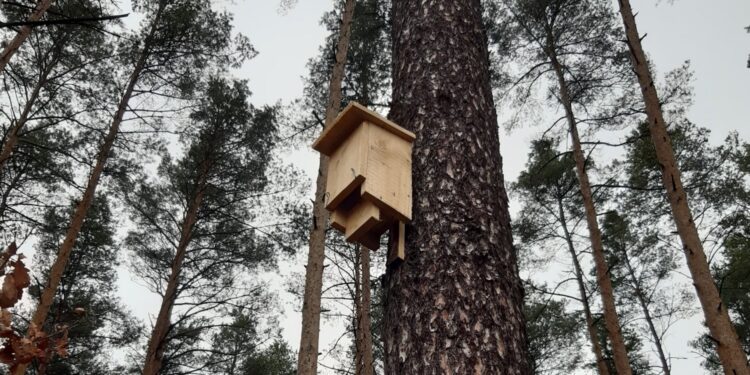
<point>709,33</point>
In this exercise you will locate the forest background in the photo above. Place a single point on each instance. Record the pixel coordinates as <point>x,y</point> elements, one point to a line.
<point>708,34</point>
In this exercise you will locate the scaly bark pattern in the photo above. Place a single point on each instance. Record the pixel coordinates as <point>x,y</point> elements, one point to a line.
<point>728,346</point>
<point>455,305</point>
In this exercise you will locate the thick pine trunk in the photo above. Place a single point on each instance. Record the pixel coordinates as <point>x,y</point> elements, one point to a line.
<point>307,361</point>
<point>157,342</point>
<point>640,296</point>
<point>611,321</point>
<point>14,44</point>
<point>601,364</point>
<point>81,210</point>
<point>364,363</point>
<point>455,305</point>
<point>722,332</point>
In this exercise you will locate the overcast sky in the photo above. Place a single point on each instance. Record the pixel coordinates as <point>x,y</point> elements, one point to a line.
<point>709,33</point>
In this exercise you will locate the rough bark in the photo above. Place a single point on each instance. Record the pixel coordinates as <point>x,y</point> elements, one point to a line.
<point>601,364</point>
<point>307,361</point>
<point>611,321</point>
<point>81,210</point>
<point>728,346</point>
<point>364,363</point>
<point>640,296</point>
<point>14,44</point>
<point>454,306</point>
<point>157,342</point>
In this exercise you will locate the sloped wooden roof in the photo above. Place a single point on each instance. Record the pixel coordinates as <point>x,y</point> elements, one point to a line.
<point>348,120</point>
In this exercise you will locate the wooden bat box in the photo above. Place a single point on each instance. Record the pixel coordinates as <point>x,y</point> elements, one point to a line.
<point>369,174</point>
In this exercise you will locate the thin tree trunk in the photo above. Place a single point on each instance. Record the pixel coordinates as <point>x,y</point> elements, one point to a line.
<point>157,342</point>
<point>307,361</point>
<point>356,317</point>
<point>364,345</point>
<point>601,363</point>
<point>729,349</point>
<point>63,254</point>
<point>646,313</point>
<point>12,138</point>
<point>611,321</point>
<point>14,44</point>
<point>455,305</point>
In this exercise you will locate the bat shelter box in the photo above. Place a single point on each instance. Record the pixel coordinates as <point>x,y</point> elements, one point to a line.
<point>368,190</point>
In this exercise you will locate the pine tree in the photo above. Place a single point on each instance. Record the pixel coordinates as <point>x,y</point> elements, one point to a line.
<point>307,362</point>
<point>86,303</point>
<point>194,261</point>
<point>180,40</point>
<point>729,348</point>
<point>455,305</point>
<point>551,211</point>
<point>580,68</point>
<point>23,33</point>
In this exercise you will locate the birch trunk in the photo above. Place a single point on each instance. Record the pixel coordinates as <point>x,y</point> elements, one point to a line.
<point>307,362</point>
<point>157,342</point>
<point>454,306</point>
<point>81,210</point>
<point>721,330</point>
<point>611,320</point>
<point>14,44</point>
<point>601,364</point>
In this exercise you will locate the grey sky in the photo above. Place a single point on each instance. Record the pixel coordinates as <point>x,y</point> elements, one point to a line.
<point>709,33</point>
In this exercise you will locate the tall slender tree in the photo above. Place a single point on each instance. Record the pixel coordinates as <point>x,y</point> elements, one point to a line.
<point>550,212</point>
<point>179,41</point>
<point>23,33</point>
<point>86,302</point>
<point>455,305</point>
<point>580,68</point>
<point>728,345</point>
<point>307,363</point>
<point>194,260</point>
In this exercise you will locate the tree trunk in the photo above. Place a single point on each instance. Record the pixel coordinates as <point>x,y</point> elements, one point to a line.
<point>307,361</point>
<point>364,364</point>
<point>22,34</point>
<point>611,321</point>
<point>12,138</point>
<point>356,317</point>
<point>455,305</point>
<point>601,364</point>
<point>729,349</point>
<point>63,254</point>
<point>157,342</point>
<point>646,313</point>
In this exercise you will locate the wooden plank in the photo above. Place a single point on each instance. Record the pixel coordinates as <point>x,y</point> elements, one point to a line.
<point>388,181</point>
<point>347,168</point>
<point>348,120</point>
<point>338,221</point>
<point>397,245</point>
<point>362,218</point>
